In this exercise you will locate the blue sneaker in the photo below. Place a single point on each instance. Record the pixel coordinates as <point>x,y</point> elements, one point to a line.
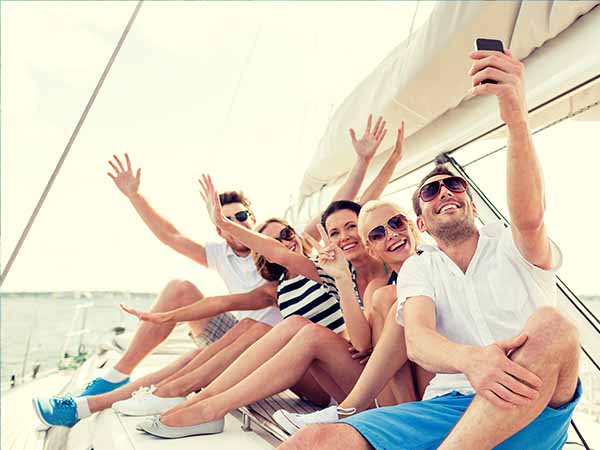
<point>101,386</point>
<point>56,411</point>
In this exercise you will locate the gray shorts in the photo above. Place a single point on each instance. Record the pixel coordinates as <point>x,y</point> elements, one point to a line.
<point>216,328</point>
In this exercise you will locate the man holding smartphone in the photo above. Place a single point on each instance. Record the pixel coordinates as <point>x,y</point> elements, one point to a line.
<point>479,310</point>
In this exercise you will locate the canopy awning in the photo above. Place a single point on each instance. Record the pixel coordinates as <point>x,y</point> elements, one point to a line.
<point>424,81</point>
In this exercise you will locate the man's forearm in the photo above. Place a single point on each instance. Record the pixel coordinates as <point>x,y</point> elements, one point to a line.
<point>159,226</point>
<point>434,352</point>
<point>524,179</point>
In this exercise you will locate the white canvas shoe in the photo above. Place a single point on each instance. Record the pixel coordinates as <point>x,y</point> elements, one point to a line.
<point>156,428</point>
<point>292,422</point>
<point>144,403</point>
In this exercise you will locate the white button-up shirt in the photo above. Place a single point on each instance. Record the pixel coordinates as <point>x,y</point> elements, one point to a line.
<point>490,302</point>
<point>240,275</point>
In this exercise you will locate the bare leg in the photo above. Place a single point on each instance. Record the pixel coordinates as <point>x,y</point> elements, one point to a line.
<point>100,402</point>
<point>175,369</point>
<point>312,344</point>
<point>176,293</point>
<point>255,356</point>
<point>552,353</point>
<point>204,374</point>
<point>317,387</point>
<point>388,360</point>
<point>338,436</point>
<point>383,300</point>
<point>238,330</point>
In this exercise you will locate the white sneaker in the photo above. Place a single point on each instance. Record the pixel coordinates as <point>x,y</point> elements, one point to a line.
<point>144,403</point>
<point>292,422</point>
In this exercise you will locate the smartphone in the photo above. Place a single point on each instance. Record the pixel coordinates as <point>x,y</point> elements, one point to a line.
<point>489,44</point>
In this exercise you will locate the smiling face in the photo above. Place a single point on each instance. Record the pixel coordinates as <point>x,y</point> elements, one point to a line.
<point>229,210</point>
<point>450,216</point>
<point>398,244</point>
<point>342,228</point>
<point>273,229</point>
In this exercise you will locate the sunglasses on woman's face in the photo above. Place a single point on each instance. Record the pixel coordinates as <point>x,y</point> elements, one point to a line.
<point>286,234</point>
<point>240,216</point>
<point>396,223</point>
<point>431,190</point>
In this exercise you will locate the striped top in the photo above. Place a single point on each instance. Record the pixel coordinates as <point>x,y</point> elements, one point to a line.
<point>317,302</point>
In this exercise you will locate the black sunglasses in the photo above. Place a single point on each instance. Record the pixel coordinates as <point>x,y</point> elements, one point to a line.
<point>240,216</point>
<point>286,234</point>
<point>396,223</point>
<point>431,190</point>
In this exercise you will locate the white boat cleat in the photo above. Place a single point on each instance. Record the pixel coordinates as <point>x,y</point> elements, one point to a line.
<point>156,428</point>
<point>293,422</point>
<point>144,403</point>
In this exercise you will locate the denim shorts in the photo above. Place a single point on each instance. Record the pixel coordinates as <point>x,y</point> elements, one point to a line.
<point>424,425</point>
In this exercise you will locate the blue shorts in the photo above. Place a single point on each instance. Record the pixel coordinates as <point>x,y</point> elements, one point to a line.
<point>424,425</point>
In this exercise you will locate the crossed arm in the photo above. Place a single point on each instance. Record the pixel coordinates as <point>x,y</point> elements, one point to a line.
<point>490,371</point>
<point>261,297</point>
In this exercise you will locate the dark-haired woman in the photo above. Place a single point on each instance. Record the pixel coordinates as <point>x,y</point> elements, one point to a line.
<point>270,366</point>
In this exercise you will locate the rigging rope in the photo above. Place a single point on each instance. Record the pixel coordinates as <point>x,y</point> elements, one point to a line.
<point>63,157</point>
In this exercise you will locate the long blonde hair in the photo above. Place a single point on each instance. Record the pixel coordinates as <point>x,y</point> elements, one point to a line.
<point>268,270</point>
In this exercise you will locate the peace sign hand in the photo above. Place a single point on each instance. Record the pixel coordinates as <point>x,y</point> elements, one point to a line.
<point>331,257</point>
<point>211,198</point>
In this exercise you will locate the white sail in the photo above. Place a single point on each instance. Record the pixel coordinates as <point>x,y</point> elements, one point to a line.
<point>424,80</point>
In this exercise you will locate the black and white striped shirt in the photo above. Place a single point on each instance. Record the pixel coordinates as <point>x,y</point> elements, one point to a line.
<point>317,302</point>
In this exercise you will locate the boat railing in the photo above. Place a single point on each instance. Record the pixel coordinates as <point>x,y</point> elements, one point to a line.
<point>80,314</point>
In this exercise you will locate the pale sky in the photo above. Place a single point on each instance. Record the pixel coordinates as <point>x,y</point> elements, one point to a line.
<point>243,91</point>
<point>240,90</point>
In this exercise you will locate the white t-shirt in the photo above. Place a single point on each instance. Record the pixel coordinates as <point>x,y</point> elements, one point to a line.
<point>490,302</point>
<point>240,275</point>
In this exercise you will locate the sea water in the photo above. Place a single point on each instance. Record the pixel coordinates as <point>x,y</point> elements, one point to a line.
<point>48,317</point>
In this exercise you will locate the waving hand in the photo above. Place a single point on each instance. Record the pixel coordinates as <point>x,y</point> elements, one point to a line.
<point>367,145</point>
<point>126,181</point>
<point>157,318</point>
<point>211,198</point>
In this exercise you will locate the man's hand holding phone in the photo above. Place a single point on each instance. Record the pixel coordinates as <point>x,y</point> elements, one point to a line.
<point>500,74</point>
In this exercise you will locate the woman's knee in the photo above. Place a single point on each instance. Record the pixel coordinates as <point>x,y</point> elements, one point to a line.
<point>259,329</point>
<point>246,323</point>
<point>313,336</point>
<point>294,323</point>
<point>382,300</point>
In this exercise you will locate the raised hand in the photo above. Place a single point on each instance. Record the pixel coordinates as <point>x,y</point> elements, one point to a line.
<point>507,71</point>
<point>157,318</point>
<point>331,257</point>
<point>396,154</point>
<point>500,380</point>
<point>126,181</point>
<point>211,198</point>
<point>367,145</point>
